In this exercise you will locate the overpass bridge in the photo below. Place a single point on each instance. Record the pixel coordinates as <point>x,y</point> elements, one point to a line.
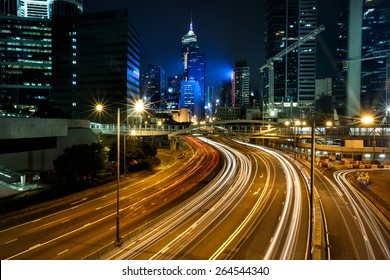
<point>295,139</point>
<point>230,127</point>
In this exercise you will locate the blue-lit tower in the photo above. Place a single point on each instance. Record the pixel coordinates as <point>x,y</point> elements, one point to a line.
<point>194,72</point>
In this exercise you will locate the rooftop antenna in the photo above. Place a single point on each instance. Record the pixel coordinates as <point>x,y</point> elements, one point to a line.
<point>191,21</point>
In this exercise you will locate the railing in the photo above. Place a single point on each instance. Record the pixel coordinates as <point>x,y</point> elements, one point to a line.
<point>152,128</point>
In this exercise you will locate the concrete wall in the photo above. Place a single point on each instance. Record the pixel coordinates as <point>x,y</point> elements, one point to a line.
<point>67,132</point>
<point>12,128</point>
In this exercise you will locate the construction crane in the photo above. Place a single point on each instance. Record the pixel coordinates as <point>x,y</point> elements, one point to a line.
<point>270,63</point>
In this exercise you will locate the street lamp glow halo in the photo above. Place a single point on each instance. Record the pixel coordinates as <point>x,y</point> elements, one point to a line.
<point>99,107</point>
<point>367,120</point>
<point>139,106</point>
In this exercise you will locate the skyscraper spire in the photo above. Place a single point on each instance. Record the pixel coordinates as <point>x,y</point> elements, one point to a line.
<point>191,21</point>
<point>190,37</point>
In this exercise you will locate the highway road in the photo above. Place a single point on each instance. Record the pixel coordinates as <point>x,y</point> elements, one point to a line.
<point>224,200</point>
<point>76,226</point>
<point>256,208</point>
<point>356,228</point>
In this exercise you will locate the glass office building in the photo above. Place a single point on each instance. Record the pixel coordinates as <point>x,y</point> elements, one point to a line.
<point>96,59</point>
<point>25,63</point>
<point>194,64</point>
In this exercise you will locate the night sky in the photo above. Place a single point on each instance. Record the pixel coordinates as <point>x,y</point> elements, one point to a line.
<point>226,31</point>
<point>222,35</point>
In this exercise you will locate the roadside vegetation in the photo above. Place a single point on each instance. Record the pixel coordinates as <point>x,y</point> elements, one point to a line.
<point>84,166</point>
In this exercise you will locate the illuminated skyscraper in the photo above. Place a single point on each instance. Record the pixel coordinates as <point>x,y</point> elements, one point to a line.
<point>25,63</point>
<point>41,8</point>
<point>152,85</point>
<point>375,43</point>
<point>295,73</point>
<point>26,47</point>
<point>307,54</point>
<point>194,71</point>
<point>241,92</point>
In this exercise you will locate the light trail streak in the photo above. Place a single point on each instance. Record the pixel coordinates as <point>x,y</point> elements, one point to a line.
<point>291,213</point>
<point>183,212</point>
<point>366,216</point>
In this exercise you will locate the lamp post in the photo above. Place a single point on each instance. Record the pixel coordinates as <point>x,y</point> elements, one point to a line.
<point>312,160</point>
<point>296,124</point>
<point>118,240</point>
<point>370,120</point>
<point>99,109</point>
<point>139,107</point>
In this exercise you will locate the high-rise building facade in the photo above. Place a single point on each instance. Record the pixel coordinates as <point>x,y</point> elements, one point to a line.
<point>282,26</point>
<point>25,63</point>
<point>96,59</point>
<point>194,64</point>
<point>376,54</point>
<point>26,51</point>
<point>339,95</point>
<point>295,73</point>
<point>240,84</point>
<point>307,54</point>
<point>190,97</point>
<point>173,92</point>
<point>152,85</point>
<point>41,8</point>
<point>9,7</point>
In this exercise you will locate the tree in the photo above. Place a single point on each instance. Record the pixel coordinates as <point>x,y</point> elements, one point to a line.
<point>79,164</point>
<point>136,152</point>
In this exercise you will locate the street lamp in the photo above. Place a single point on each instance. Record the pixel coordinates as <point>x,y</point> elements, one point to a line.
<point>118,240</point>
<point>296,124</point>
<point>312,160</point>
<point>370,120</point>
<point>99,109</point>
<point>139,107</point>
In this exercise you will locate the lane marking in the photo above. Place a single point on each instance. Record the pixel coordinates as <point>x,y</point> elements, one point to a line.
<point>10,241</point>
<point>60,253</point>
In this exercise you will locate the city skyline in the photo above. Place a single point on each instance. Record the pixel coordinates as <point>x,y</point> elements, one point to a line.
<point>224,36</point>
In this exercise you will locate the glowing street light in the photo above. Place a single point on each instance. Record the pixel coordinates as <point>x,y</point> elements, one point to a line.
<point>367,120</point>
<point>139,106</point>
<point>99,109</point>
<point>370,120</point>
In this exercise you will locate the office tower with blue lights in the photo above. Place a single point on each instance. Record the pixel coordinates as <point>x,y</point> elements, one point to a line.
<point>173,92</point>
<point>194,72</point>
<point>96,59</point>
